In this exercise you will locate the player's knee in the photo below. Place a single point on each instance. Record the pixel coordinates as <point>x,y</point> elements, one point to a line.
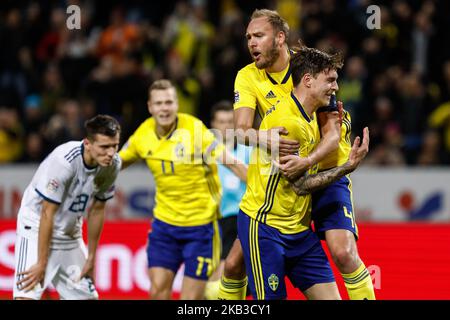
<point>193,295</point>
<point>160,289</point>
<point>234,268</point>
<point>160,293</point>
<point>345,258</point>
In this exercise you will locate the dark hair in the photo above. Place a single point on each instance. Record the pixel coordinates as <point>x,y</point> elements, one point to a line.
<point>101,124</point>
<point>274,18</point>
<point>309,60</point>
<point>223,105</point>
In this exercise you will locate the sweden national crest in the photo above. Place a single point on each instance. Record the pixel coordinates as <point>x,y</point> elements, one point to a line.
<point>273,282</point>
<point>179,150</point>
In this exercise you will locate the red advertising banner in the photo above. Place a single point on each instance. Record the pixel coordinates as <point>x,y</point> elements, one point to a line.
<point>406,261</point>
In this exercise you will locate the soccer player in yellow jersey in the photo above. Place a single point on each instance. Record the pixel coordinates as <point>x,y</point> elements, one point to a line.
<point>263,34</point>
<point>259,87</point>
<point>334,219</point>
<point>181,153</point>
<point>274,221</point>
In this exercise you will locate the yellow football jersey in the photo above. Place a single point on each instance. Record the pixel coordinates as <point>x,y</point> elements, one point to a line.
<point>257,89</point>
<point>269,197</point>
<point>183,164</point>
<point>340,155</point>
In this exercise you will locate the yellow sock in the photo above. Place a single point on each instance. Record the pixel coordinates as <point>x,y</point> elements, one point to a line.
<point>212,290</point>
<point>230,289</point>
<point>359,284</point>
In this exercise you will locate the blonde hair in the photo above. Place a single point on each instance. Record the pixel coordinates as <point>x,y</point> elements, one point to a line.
<point>274,18</point>
<point>161,84</point>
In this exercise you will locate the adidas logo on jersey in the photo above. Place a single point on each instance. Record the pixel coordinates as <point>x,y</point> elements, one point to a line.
<point>270,95</point>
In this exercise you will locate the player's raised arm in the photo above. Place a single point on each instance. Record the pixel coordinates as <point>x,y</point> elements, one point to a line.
<point>310,183</point>
<point>35,274</point>
<point>330,131</point>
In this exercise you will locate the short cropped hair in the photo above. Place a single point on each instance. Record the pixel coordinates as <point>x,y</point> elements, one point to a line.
<point>223,105</point>
<point>310,60</point>
<point>274,18</point>
<point>161,84</point>
<point>101,124</point>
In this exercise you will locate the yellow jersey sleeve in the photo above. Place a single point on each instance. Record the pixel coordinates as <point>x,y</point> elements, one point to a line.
<point>294,129</point>
<point>129,151</point>
<point>244,93</point>
<point>340,156</point>
<point>293,126</point>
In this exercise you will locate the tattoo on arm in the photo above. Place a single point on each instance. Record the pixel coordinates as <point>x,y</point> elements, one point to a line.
<point>310,183</point>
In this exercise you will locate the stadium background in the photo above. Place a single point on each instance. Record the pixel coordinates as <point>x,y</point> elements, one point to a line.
<point>396,80</point>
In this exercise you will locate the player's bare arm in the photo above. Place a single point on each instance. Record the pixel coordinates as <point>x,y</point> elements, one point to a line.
<point>330,131</point>
<point>235,165</point>
<point>243,123</point>
<point>293,166</point>
<point>35,274</point>
<point>310,183</point>
<point>95,220</point>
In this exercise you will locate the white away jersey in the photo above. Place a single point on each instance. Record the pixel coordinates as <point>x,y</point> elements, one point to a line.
<point>63,178</point>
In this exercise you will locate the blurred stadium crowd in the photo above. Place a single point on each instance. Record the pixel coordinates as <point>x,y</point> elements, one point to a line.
<point>396,79</point>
